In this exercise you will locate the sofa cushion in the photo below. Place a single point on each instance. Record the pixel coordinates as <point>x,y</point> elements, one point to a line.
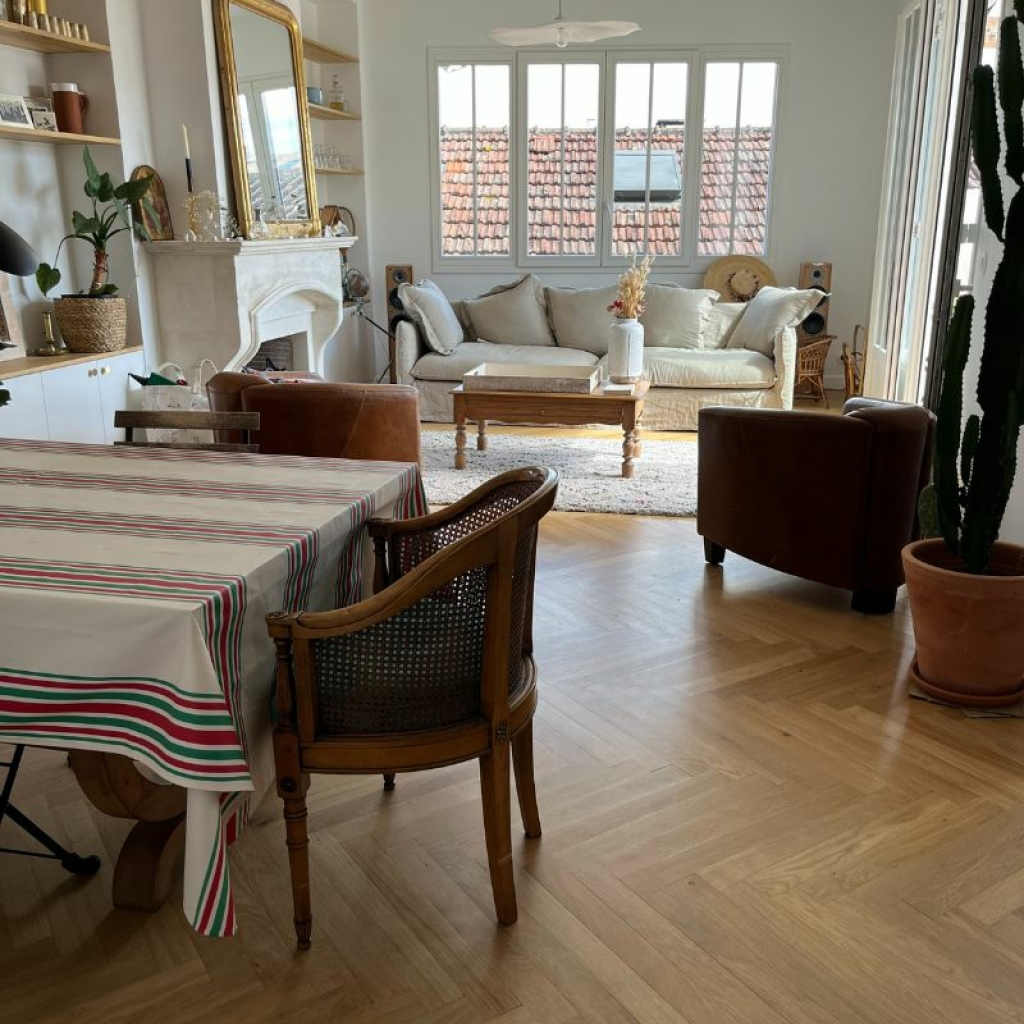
<point>471,354</point>
<point>430,309</point>
<point>511,314</point>
<point>737,369</point>
<point>770,311</point>
<point>676,317</point>
<point>721,322</point>
<point>580,317</point>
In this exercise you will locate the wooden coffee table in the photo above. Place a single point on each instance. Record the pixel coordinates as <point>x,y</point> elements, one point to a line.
<point>554,409</point>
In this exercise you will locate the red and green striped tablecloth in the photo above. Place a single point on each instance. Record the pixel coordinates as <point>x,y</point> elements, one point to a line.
<point>134,584</point>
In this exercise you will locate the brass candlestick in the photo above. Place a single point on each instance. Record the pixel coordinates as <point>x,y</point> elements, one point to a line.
<point>50,346</point>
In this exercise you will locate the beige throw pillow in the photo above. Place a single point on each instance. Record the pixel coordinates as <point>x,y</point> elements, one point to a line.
<point>770,311</point>
<point>721,322</point>
<point>580,317</point>
<point>676,317</point>
<point>511,314</point>
<point>430,309</point>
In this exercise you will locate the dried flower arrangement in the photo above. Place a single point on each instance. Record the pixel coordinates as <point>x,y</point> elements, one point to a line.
<point>632,286</point>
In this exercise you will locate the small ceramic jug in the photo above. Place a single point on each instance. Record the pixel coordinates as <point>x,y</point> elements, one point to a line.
<point>69,105</point>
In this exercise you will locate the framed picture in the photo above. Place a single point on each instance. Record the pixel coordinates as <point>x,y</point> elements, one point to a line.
<point>157,216</point>
<point>40,111</point>
<point>44,120</point>
<point>10,324</point>
<point>13,111</point>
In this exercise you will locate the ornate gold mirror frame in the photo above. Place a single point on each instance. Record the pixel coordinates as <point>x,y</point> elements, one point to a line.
<point>226,56</point>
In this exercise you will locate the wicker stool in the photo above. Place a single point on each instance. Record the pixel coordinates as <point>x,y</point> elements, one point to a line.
<point>810,365</point>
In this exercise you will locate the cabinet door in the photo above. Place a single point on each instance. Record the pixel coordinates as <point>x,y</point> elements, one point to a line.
<point>25,416</point>
<point>113,378</point>
<point>73,410</point>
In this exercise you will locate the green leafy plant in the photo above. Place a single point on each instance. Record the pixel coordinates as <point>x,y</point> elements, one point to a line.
<point>976,459</point>
<point>111,215</point>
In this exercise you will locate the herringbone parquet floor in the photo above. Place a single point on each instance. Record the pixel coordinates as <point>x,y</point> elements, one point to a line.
<point>746,822</point>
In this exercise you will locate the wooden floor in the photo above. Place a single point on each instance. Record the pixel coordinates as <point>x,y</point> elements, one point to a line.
<point>746,820</point>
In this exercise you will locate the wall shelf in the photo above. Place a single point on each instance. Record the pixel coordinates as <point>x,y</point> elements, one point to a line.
<point>338,170</point>
<point>318,53</point>
<point>321,113</point>
<point>8,131</point>
<point>26,38</point>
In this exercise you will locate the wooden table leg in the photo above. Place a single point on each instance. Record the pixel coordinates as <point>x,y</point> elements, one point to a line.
<point>147,865</point>
<point>481,435</point>
<point>638,445</point>
<point>459,410</point>
<point>629,441</point>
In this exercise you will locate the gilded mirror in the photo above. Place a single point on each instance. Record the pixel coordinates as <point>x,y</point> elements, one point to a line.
<point>264,93</point>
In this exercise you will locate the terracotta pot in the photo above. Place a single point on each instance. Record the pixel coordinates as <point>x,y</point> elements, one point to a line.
<point>969,629</point>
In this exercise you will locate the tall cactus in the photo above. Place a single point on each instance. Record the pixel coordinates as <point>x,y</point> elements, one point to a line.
<point>975,466</point>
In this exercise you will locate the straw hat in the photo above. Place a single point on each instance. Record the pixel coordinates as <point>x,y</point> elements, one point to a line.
<point>738,278</point>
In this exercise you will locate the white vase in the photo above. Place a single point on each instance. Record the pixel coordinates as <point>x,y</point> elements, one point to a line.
<point>626,352</point>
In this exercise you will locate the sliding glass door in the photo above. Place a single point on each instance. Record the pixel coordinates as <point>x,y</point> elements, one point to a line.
<point>924,142</point>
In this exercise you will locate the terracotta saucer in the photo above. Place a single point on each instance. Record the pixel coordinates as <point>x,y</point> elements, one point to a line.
<point>967,700</point>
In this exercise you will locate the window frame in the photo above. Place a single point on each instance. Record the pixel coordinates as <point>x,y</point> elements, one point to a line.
<point>691,185</point>
<point>746,55</point>
<point>476,263</point>
<point>696,57</point>
<point>576,55</point>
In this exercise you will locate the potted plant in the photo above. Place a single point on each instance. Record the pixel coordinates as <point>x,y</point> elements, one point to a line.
<point>966,588</point>
<point>97,320</point>
<point>626,348</point>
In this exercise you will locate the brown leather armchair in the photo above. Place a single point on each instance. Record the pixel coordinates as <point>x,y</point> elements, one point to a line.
<point>318,418</point>
<point>828,498</point>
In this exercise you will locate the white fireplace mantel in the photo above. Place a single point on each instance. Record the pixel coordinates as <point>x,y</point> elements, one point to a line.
<point>222,300</point>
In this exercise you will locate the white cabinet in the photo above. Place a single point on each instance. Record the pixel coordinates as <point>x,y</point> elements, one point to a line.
<point>71,402</point>
<point>73,411</point>
<point>25,416</point>
<point>113,378</point>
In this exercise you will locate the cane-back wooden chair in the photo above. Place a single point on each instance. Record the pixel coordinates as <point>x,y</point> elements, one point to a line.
<point>436,668</point>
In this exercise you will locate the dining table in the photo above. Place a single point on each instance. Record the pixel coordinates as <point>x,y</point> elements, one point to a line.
<point>134,588</point>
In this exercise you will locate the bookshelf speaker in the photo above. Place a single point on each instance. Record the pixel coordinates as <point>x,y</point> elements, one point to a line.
<point>393,277</point>
<point>815,275</point>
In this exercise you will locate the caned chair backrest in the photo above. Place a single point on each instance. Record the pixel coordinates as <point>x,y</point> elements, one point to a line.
<point>451,642</point>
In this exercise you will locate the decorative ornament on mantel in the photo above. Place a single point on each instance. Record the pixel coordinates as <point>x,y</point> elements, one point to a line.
<point>626,345</point>
<point>562,32</point>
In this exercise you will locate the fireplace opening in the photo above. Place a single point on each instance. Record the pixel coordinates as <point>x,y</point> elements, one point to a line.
<point>277,354</point>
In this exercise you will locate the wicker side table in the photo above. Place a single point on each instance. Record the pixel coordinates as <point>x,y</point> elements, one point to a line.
<point>810,365</point>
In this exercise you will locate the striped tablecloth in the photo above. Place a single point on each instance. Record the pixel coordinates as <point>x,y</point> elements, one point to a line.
<point>133,589</point>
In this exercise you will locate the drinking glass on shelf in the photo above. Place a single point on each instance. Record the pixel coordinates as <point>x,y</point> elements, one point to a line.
<point>345,162</point>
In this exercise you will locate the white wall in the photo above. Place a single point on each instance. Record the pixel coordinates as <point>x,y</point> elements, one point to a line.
<point>831,140</point>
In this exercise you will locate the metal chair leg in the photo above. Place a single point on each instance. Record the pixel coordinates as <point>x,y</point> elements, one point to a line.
<point>69,860</point>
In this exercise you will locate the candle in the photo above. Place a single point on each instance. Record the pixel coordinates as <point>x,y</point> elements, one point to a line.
<point>188,157</point>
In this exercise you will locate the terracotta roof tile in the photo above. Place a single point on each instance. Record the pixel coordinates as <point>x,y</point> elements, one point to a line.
<point>576,203</point>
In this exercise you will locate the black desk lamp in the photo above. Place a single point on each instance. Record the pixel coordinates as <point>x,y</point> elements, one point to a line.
<point>17,257</point>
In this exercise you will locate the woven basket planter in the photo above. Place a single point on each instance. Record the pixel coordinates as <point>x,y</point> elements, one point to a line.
<point>92,324</point>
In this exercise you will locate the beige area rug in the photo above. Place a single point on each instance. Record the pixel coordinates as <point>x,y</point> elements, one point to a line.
<point>590,469</point>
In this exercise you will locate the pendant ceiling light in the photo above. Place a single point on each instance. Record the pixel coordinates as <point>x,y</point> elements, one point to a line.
<point>562,32</point>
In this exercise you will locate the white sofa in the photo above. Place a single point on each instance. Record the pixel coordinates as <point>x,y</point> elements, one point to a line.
<point>697,351</point>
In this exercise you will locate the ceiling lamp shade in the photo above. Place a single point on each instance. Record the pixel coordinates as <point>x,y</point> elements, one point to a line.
<point>562,32</point>
<point>17,257</point>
